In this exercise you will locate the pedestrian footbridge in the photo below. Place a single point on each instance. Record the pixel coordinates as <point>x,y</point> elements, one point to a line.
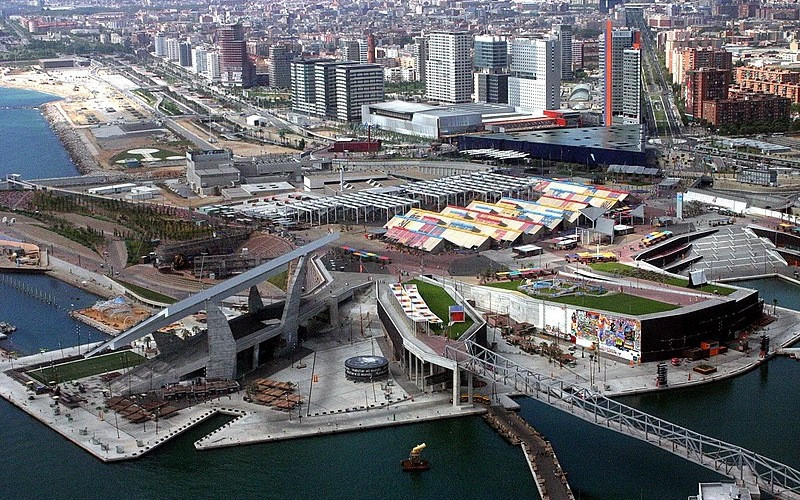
<point>740,464</point>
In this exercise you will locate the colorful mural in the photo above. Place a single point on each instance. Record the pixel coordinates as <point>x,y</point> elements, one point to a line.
<point>616,335</point>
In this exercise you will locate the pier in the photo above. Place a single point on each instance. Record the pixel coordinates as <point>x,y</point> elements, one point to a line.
<point>27,289</point>
<point>792,352</point>
<point>551,480</point>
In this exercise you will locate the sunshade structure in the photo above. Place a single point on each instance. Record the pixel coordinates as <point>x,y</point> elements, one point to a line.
<point>462,227</point>
<point>596,196</point>
<point>548,216</point>
<point>413,304</point>
<point>360,206</point>
<point>461,189</point>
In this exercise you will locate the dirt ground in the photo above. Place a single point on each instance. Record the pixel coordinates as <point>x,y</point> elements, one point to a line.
<point>118,322</point>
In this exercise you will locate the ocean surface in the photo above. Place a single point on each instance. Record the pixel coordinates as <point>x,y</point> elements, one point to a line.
<point>469,460</point>
<point>41,326</point>
<point>27,143</point>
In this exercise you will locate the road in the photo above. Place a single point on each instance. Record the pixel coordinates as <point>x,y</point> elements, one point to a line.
<point>656,86</point>
<point>167,120</point>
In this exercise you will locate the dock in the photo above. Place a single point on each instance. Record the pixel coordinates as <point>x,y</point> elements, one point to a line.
<point>551,480</point>
<point>792,352</point>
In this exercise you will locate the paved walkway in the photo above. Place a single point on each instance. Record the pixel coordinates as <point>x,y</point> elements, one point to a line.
<point>550,478</point>
<point>267,426</point>
<point>99,433</point>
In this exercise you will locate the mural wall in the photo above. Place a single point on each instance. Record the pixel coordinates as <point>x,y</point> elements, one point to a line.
<point>612,334</point>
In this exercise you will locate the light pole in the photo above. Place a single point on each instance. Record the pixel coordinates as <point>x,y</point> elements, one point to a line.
<point>77,331</point>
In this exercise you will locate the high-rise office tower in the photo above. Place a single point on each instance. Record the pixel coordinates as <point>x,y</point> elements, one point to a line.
<point>349,50</point>
<point>173,49</point>
<point>160,42</point>
<point>491,88</point>
<point>491,69</point>
<point>335,89</point>
<point>185,54</point>
<point>448,67</point>
<point>303,85</point>
<point>491,53</point>
<point>279,66</point>
<point>535,81</point>
<point>199,60</point>
<point>236,67</point>
<point>632,84</point>
<point>420,52</point>
<point>325,87</point>
<point>356,85</point>
<point>564,34</point>
<point>613,44</point>
<point>213,66</point>
<point>363,51</point>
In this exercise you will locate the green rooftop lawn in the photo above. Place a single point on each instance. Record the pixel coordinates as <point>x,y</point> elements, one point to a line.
<point>87,367</point>
<point>439,302</point>
<point>615,302</point>
<point>632,272</point>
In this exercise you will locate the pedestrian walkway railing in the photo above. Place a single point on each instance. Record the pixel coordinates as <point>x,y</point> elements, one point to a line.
<point>738,463</point>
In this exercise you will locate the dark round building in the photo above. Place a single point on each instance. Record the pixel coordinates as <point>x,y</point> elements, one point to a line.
<point>365,368</point>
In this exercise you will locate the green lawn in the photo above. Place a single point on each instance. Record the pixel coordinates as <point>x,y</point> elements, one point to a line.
<point>439,302</point>
<point>87,367</point>
<point>280,280</point>
<point>146,292</point>
<point>632,272</point>
<point>149,97</point>
<point>615,302</point>
<point>170,108</point>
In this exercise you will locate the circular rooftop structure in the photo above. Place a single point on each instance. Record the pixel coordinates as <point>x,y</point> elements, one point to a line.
<point>366,367</point>
<point>581,93</point>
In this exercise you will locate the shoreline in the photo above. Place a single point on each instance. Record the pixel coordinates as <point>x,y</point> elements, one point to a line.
<point>84,162</point>
<point>67,134</point>
<point>4,83</point>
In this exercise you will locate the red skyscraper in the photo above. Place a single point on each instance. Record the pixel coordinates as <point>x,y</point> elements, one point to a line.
<point>235,65</point>
<point>370,48</point>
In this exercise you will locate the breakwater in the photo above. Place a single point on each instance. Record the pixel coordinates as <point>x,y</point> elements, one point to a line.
<point>73,144</point>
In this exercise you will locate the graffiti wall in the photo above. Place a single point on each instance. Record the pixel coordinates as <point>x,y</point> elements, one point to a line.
<point>613,334</point>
